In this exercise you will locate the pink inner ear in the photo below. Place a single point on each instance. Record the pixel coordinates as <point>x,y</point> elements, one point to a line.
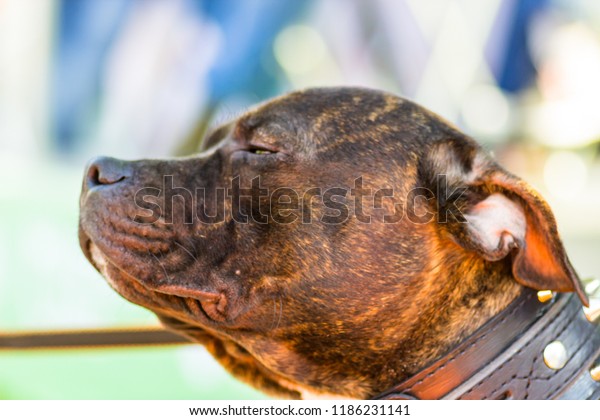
<point>496,225</point>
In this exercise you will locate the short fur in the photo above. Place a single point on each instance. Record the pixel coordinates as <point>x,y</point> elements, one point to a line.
<point>348,309</point>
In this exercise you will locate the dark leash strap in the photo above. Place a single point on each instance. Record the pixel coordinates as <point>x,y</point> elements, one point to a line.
<point>89,339</point>
<point>531,350</point>
<point>506,358</point>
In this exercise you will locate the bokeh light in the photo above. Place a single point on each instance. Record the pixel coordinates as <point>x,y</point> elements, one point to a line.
<point>565,174</point>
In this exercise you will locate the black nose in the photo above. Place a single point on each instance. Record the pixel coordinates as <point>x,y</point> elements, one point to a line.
<point>106,171</point>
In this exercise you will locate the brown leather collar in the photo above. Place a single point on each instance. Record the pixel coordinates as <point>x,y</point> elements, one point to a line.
<point>504,358</point>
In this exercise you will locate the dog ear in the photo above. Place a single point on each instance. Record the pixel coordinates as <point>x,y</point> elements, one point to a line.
<point>500,216</point>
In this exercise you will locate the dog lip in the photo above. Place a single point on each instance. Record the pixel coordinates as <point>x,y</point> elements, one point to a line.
<point>187,292</point>
<point>84,244</point>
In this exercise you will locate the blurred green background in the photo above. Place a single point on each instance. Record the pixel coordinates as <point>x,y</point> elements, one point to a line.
<point>133,78</point>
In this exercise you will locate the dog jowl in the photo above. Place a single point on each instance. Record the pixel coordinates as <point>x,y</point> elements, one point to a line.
<point>330,241</point>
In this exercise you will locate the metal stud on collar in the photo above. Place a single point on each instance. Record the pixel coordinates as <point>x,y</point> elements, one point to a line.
<point>592,289</point>
<point>555,355</point>
<point>545,295</point>
<point>592,313</point>
<point>595,373</point>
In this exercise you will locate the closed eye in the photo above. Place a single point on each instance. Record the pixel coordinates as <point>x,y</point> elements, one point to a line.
<point>260,150</point>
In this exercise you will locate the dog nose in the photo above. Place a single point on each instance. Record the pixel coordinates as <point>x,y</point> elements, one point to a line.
<point>106,171</point>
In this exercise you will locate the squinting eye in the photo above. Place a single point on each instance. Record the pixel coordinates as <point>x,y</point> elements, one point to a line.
<point>258,151</point>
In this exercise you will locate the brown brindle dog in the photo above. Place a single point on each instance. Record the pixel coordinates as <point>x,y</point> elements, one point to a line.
<point>374,237</point>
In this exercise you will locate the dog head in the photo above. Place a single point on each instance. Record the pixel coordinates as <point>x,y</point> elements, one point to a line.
<point>331,240</point>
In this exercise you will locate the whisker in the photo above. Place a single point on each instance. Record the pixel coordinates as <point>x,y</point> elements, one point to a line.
<point>274,314</point>
<point>192,245</point>
<point>280,310</point>
<point>186,250</point>
<point>162,266</point>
